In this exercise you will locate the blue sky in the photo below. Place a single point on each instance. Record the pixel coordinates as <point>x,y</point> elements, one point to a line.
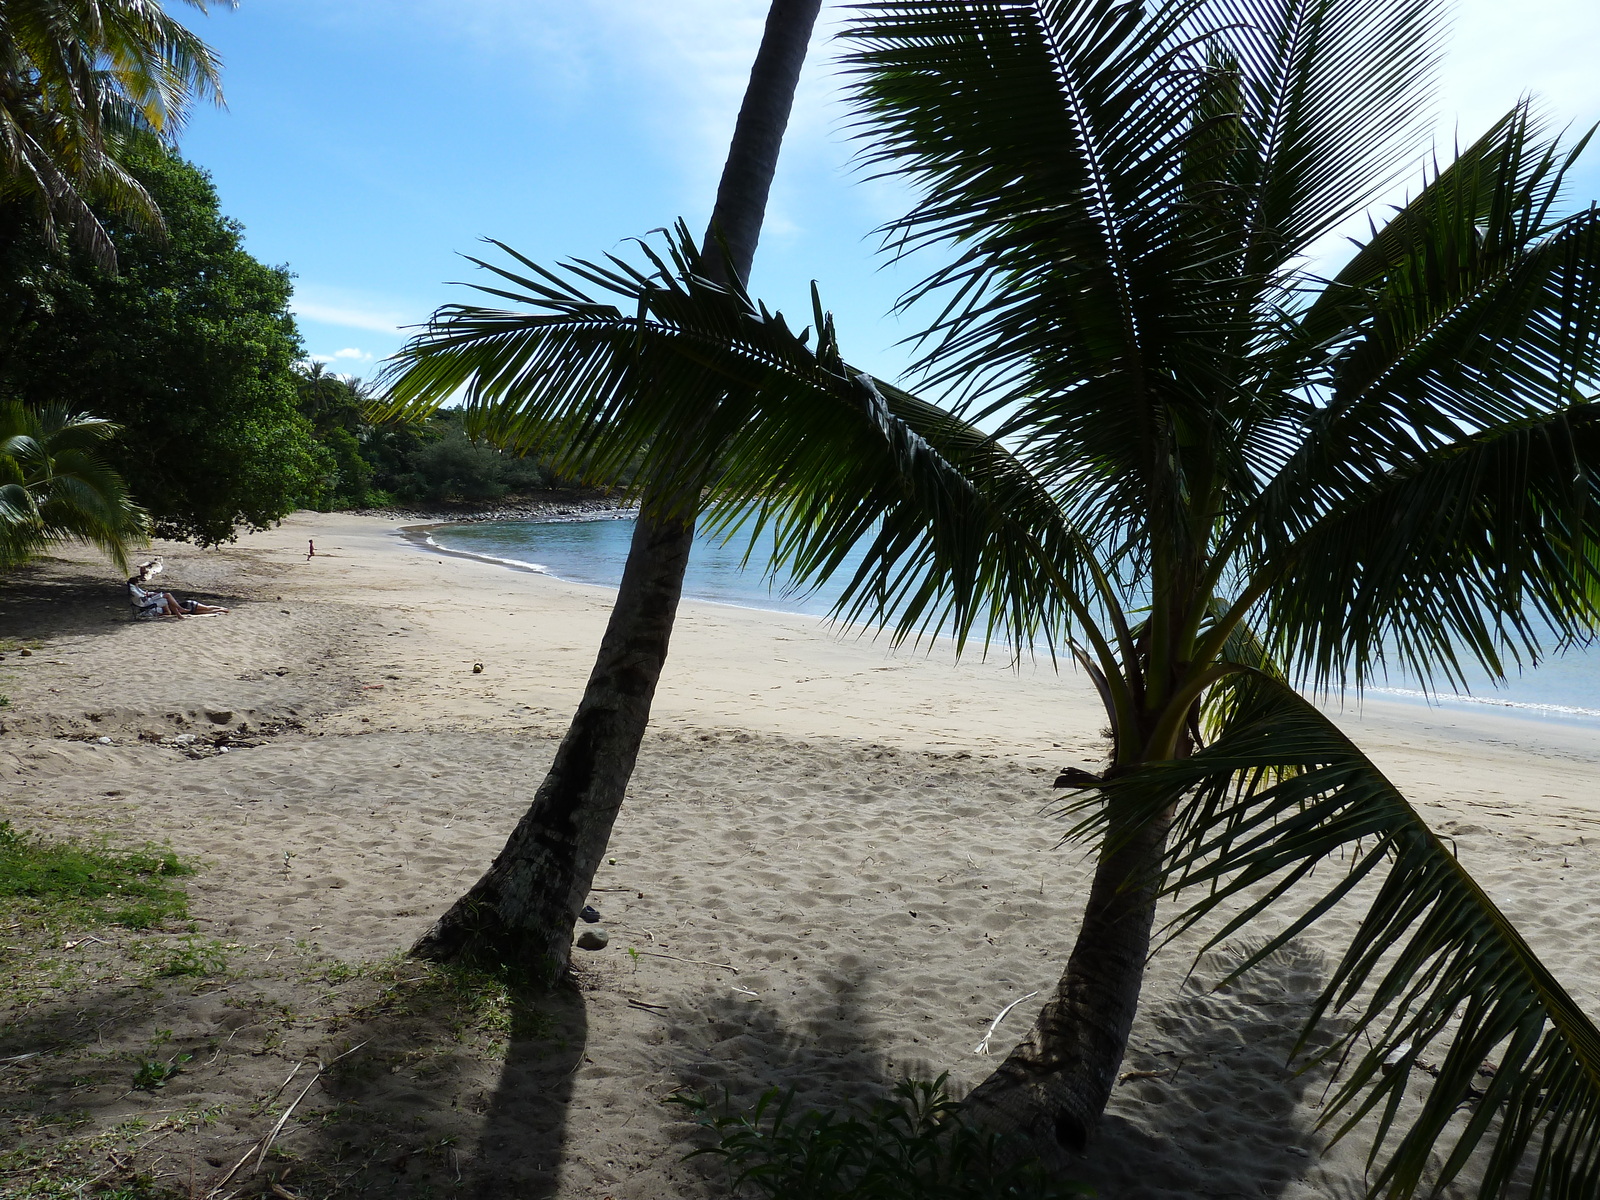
<point>368,143</point>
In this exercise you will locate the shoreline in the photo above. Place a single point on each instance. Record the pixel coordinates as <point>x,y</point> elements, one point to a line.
<point>541,507</point>
<point>835,866</point>
<point>1443,706</point>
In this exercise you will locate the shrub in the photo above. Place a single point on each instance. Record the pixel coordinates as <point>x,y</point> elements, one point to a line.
<point>912,1145</point>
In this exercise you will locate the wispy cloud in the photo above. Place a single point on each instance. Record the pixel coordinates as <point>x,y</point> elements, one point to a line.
<point>351,315</point>
<point>345,359</point>
<point>680,67</point>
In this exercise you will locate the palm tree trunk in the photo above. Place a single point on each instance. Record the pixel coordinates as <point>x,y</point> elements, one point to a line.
<point>1055,1084</point>
<point>522,911</point>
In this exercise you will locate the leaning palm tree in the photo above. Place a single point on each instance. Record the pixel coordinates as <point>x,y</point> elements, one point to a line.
<point>54,486</point>
<point>1172,443</point>
<point>78,80</point>
<point>523,909</point>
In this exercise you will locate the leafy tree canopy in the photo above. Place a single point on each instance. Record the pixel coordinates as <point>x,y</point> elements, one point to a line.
<point>79,81</point>
<point>190,349</point>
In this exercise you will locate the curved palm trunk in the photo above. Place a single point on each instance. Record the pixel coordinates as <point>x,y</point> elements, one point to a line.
<point>522,911</point>
<point>1056,1083</point>
<point>1054,1086</point>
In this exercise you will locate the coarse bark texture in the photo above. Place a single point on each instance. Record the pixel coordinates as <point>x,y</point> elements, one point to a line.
<point>521,913</point>
<point>1055,1084</point>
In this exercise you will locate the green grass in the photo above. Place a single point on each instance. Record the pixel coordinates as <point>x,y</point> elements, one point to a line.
<point>193,956</point>
<point>88,885</point>
<point>464,1000</point>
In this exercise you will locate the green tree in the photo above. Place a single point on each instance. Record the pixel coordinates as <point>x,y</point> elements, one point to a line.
<point>55,486</point>
<point>79,81</point>
<point>1175,446</point>
<point>335,407</point>
<point>190,349</point>
<point>524,907</point>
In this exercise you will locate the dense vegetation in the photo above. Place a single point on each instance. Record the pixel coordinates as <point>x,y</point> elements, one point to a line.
<point>189,348</point>
<point>191,351</point>
<point>360,464</point>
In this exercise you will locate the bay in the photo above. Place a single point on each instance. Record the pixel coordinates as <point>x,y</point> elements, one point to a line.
<point>1564,688</point>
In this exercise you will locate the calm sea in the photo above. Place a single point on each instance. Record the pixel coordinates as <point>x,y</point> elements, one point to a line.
<point>1566,688</point>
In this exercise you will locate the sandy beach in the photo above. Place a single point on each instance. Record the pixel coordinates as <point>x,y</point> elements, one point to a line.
<point>836,865</point>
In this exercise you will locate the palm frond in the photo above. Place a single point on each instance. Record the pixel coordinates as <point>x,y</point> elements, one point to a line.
<point>1485,550</point>
<point>55,488</point>
<point>685,378</point>
<point>1335,102</point>
<point>1048,142</point>
<point>1477,304</point>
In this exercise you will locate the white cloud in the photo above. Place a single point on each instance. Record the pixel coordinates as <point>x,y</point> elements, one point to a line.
<point>354,308</point>
<point>352,352</point>
<point>350,318</point>
<point>690,58</point>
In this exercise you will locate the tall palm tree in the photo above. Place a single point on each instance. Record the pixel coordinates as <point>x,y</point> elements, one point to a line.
<point>1172,442</point>
<point>522,911</point>
<point>78,79</point>
<point>55,488</point>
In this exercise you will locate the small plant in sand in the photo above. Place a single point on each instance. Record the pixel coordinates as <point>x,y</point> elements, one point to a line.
<point>153,1073</point>
<point>912,1145</point>
<point>193,956</point>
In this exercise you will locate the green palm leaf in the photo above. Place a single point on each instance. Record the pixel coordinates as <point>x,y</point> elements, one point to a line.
<point>1486,548</point>
<point>55,488</point>
<point>956,530</point>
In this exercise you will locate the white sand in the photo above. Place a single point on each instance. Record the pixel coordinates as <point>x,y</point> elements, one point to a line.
<point>859,833</point>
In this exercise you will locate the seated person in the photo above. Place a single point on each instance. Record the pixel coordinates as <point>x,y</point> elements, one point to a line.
<point>149,603</point>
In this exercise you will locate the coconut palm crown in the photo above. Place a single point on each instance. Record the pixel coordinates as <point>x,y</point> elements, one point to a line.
<point>1169,439</point>
<point>78,80</point>
<point>55,487</point>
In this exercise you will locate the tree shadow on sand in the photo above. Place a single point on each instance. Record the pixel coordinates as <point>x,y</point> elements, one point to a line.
<point>39,602</point>
<point>1208,1106</point>
<point>1208,1103</point>
<point>426,1108</point>
<point>423,1082</point>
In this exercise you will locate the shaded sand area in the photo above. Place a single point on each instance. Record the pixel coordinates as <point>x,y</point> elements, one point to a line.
<point>834,867</point>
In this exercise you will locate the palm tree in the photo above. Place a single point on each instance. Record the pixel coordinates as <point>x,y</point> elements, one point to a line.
<point>1172,444</point>
<point>55,488</point>
<point>78,80</point>
<point>523,909</point>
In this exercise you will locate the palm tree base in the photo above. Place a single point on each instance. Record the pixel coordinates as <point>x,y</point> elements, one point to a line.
<point>519,916</point>
<point>1051,1089</point>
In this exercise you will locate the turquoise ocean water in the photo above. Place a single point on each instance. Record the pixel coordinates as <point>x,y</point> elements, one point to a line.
<point>1566,688</point>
